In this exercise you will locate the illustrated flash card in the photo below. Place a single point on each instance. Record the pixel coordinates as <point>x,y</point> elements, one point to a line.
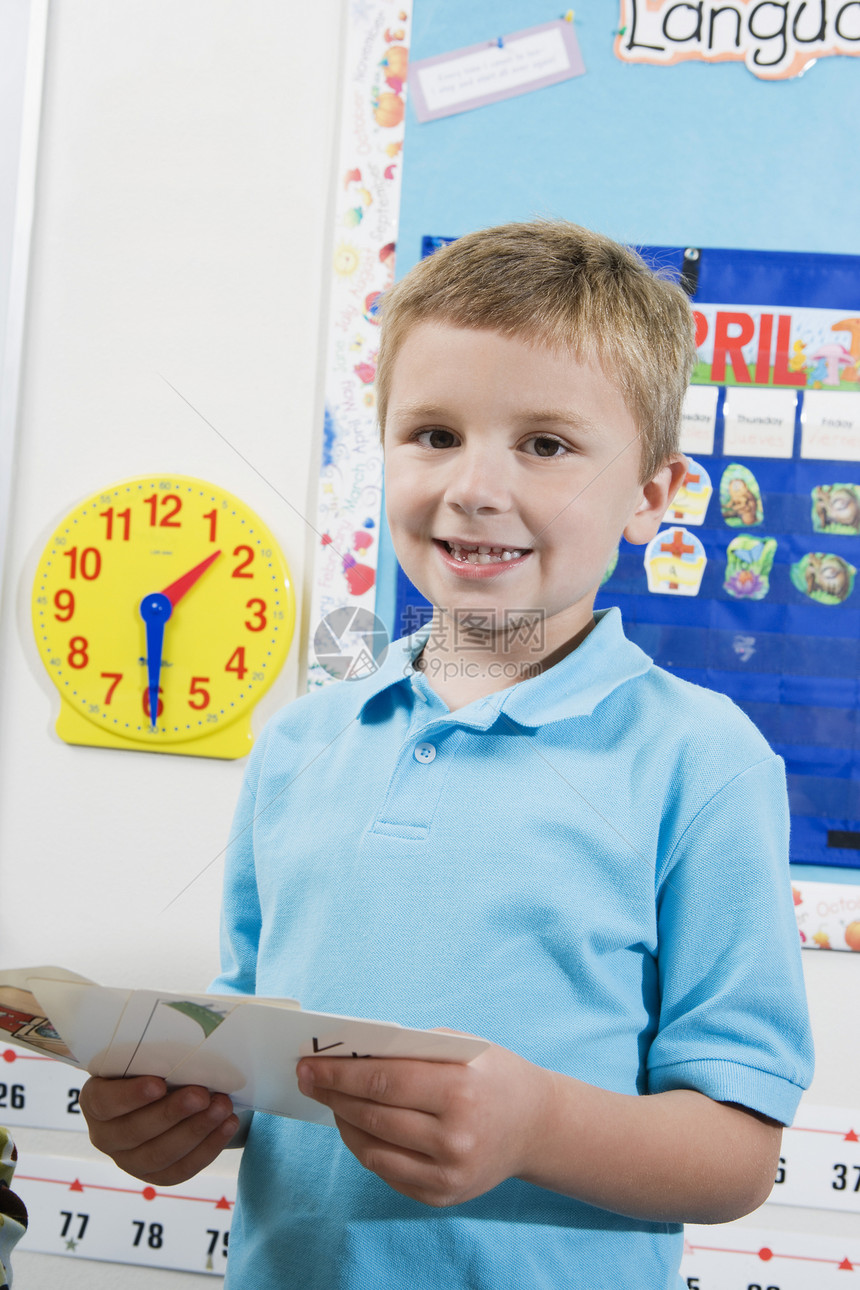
<point>244,1046</point>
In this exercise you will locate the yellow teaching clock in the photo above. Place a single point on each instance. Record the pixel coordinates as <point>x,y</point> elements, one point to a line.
<point>163,610</point>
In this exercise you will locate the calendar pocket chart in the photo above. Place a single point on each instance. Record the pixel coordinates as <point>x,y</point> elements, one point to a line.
<point>244,1046</point>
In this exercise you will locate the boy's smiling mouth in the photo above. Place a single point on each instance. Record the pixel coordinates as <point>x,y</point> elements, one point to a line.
<point>480,554</point>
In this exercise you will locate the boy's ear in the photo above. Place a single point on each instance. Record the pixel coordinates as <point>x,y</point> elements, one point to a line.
<point>656,496</point>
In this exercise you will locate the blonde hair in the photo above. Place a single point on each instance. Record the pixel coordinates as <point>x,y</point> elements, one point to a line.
<point>553,283</point>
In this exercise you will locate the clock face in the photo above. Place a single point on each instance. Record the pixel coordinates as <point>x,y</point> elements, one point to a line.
<point>163,610</point>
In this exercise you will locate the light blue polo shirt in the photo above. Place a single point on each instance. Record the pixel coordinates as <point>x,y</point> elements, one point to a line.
<point>589,868</point>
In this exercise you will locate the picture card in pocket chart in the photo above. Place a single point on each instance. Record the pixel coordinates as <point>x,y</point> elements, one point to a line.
<point>242,1045</point>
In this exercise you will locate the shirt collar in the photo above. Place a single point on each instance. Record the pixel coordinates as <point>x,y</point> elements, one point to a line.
<point>572,688</point>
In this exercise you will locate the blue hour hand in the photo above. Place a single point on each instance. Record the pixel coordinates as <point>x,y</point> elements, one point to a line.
<point>155,609</point>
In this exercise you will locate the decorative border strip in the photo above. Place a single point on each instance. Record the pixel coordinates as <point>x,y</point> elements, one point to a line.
<point>828,915</point>
<point>367,206</point>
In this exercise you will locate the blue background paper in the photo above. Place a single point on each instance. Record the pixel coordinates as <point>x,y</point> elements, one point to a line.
<point>695,154</point>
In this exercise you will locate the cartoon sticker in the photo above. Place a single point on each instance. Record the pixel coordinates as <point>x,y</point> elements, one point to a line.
<point>836,508</point>
<point>689,504</point>
<point>740,497</point>
<point>24,1021</point>
<point>826,578</point>
<point>675,562</point>
<point>749,561</point>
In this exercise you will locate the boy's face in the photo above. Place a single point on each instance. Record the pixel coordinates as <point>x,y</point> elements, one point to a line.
<point>493,442</point>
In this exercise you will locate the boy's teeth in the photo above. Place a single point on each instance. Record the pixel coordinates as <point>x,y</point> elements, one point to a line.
<point>483,554</point>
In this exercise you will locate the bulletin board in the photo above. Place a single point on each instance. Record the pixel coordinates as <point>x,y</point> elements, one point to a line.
<point>749,588</point>
<point>662,158</point>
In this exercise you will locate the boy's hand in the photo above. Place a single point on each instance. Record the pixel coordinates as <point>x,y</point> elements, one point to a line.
<point>159,1137</point>
<point>439,1132</point>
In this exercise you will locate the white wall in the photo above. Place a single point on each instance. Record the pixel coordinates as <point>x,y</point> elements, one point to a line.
<point>181,232</point>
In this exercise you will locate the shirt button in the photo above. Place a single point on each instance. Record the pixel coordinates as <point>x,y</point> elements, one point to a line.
<point>424,753</point>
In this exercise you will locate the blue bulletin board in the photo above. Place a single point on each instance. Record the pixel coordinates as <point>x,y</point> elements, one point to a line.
<point>714,157</point>
<point>768,538</point>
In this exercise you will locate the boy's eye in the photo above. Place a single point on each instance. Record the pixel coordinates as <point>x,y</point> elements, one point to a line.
<point>436,438</point>
<point>542,445</point>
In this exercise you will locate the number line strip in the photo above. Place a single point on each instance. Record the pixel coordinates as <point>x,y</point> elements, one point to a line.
<point>223,1202</point>
<point>850,1136</point>
<point>774,1254</point>
<point>9,1055</point>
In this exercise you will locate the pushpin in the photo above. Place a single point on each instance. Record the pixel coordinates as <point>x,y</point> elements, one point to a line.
<point>568,17</point>
<point>500,43</point>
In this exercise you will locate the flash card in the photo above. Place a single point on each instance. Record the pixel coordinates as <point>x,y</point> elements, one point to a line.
<point>157,1030</point>
<point>25,1020</point>
<point>238,1044</point>
<point>85,1013</point>
<point>253,1055</point>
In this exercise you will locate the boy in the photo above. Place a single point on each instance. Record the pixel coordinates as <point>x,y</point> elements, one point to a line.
<point>518,827</point>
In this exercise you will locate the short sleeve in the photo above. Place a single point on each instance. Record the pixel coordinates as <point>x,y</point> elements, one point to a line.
<point>733,1016</point>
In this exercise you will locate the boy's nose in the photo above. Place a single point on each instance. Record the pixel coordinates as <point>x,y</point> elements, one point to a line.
<point>478,483</point>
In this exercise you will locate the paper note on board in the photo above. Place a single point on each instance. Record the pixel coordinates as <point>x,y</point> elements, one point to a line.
<point>496,69</point>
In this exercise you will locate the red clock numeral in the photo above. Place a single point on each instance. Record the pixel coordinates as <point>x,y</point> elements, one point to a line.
<point>239,571</point>
<point>125,516</point>
<point>171,505</point>
<point>199,691</point>
<point>90,563</point>
<point>236,662</point>
<point>212,517</point>
<point>259,615</point>
<point>65,603</point>
<point>115,677</point>
<point>147,710</point>
<point>78,656</point>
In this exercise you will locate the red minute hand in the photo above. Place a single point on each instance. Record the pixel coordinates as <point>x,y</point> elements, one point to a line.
<point>177,589</point>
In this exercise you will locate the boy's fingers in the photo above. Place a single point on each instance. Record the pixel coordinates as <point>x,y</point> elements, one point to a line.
<point>394,1081</point>
<point>105,1099</point>
<point>179,1121</point>
<point>413,1131</point>
<point>177,1155</point>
